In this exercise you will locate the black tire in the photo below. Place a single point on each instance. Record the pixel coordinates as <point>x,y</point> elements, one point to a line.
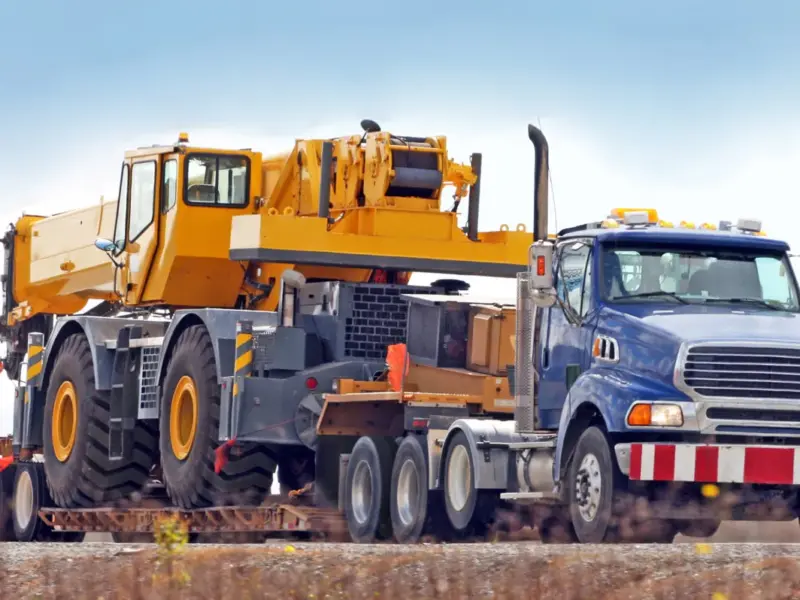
<point>191,482</point>
<point>30,495</point>
<point>408,499</point>
<point>6,504</point>
<point>473,514</point>
<point>369,476</point>
<point>601,526</point>
<point>88,477</point>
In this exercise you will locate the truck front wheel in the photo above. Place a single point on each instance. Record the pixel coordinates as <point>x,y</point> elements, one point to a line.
<point>592,483</point>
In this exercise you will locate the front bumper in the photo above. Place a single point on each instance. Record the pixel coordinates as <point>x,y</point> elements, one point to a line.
<point>710,463</point>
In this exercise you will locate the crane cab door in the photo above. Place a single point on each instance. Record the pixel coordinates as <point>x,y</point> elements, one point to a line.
<point>137,223</point>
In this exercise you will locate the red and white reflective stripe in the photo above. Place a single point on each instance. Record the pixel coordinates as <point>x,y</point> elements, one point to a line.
<point>774,465</point>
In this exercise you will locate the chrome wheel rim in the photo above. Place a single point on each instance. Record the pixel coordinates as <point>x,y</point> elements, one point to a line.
<point>588,487</point>
<point>407,493</point>
<point>361,493</point>
<point>23,500</point>
<point>459,478</point>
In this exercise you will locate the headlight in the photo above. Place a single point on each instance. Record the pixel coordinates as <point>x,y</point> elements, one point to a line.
<point>655,415</point>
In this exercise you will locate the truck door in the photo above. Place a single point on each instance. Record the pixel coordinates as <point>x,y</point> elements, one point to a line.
<point>569,326</point>
<point>142,228</point>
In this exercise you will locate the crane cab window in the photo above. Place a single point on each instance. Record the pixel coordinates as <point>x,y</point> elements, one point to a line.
<point>217,180</point>
<point>122,206</point>
<point>169,185</point>
<point>143,190</point>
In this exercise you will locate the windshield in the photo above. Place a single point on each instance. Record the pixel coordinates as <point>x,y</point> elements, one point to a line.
<point>759,278</point>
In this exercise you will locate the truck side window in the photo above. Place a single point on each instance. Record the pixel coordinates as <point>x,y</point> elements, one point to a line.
<point>122,208</point>
<point>143,189</point>
<point>573,271</point>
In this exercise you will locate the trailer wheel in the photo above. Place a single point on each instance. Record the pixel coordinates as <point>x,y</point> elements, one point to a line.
<point>78,469</point>
<point>469,509</point>
<point>367,489</point>
<point>409,498</point>
<point>592,483</point>
<point>30,494</point>
<point>6,504</point>
<point>189,433</point>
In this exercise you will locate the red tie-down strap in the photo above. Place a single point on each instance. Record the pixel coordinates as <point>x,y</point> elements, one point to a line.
<point>5,462</point>
<point>222,454</point>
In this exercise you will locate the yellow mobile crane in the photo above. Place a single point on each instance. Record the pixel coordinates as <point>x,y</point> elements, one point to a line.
<point>289,270</point>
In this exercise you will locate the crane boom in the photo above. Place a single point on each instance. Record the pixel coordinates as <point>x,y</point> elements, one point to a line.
<point>215,228</point>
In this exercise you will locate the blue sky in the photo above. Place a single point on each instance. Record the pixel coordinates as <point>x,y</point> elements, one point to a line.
<point>656,88</point>
<point>692,107</point>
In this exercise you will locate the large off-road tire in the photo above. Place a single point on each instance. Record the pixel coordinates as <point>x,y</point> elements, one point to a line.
<point>76,459</point>
<point>189,434</point>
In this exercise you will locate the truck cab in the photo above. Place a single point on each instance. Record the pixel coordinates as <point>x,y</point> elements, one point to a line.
<point>701,322</point>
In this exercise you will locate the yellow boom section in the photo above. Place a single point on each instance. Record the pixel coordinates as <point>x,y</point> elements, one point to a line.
<point>374,202</point>
<point>56,267</point>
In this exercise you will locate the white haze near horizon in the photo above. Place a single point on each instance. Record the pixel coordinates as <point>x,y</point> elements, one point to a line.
<point>748,177</point>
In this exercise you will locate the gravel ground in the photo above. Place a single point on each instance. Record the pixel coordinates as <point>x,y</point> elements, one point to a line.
<point>507,570</point>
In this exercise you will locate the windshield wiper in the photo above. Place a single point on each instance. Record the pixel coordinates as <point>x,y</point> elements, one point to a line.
<point>659,294</point>
<point>757,301</point>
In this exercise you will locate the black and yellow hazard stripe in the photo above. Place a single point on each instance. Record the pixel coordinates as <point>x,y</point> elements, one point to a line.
<point>35,363</point>
<point>244,354</point>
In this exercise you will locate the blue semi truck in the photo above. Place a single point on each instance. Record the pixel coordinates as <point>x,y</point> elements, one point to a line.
<point>656,386</point>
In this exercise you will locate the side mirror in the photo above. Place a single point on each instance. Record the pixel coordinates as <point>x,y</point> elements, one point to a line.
<point>105,245</point>
<point>540,266</point>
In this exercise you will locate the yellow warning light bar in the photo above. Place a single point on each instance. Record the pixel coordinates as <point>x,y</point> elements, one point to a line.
<point>619,213</point>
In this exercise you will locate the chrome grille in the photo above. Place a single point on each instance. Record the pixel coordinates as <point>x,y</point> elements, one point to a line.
<point>740,371</point>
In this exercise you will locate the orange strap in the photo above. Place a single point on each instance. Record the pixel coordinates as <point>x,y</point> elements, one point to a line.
<point>5,461</point>
<point>397,361</point>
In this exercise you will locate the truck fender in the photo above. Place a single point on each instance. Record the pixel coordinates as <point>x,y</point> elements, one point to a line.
<point>221,326</point>
<point>491,465</point>
<point>601,396</point>
<point>98,330</point>
<point>575,418</point>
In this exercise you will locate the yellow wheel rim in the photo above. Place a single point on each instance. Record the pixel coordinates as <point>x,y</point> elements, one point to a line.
<point>65,421</point>
<point>183,418</point>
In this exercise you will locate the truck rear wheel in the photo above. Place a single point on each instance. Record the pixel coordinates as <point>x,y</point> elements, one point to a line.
<point>367,489</point>
<point>189,433</point>
<point>592,483</point>
<point>79,471</point>
<point>409,492</point>
<point>470,510</point>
